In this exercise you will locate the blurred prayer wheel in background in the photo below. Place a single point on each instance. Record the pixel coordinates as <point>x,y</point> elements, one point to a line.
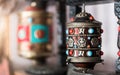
<point>34,32</point>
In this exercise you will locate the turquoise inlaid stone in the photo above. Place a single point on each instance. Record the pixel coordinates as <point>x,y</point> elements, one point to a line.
<point>66,31</point>
<point>91,30</point>
<point>39,33</point>
<point>67,52</point>
<point>99,46</point>
<point>22,34</point>
<point>30,20</point>
<point>89,53</point>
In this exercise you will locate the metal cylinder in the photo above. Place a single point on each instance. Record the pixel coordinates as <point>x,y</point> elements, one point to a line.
<point>34,33</point>
<point>84,41</point>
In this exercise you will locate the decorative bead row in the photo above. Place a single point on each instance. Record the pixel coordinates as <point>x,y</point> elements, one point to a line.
<point>85,30</point>
<point>89,53</point>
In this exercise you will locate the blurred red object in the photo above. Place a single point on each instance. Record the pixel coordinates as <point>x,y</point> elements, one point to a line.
<point>4,67</point>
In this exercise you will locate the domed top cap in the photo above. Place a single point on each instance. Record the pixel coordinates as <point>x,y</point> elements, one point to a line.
<point>85,17</point>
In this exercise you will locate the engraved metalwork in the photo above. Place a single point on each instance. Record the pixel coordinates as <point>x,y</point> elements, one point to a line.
<point>70,42</point>
<point>117,13</point>
<point>95,42</point>
<point>81,42</point>
<point>86,35</point>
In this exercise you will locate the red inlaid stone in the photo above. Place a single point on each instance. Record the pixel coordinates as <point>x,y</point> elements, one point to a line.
<point>88,46</point>
<point>119,28</point>
<point>39,34</point>
<point>101,30</point>
<point>118,53</point>
<point>71,52</point>
<point>101,53</point>
<point>71,31</point>
<point>91,18</point>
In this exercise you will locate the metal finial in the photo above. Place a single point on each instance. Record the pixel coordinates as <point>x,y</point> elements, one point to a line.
<point>83,8</point>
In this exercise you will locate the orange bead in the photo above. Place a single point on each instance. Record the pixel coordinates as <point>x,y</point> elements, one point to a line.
<point>71,31</point>
<point>88,46</point>
<point>39,34</point>
<point>91,18</point>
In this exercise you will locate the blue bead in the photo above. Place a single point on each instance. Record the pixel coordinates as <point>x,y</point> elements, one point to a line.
<point>66,31</point>
<point>99,46</point>
<point>30,20</point>
<point>67,52</point>
<point>89,53</point>
<point>91,31</point>
<point>89,38</point>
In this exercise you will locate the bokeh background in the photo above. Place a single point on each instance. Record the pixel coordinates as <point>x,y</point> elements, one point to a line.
<point>101,12</point>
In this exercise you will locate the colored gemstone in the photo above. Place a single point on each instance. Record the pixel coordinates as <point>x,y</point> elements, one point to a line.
<point>119,28</point>
<point>76,31</point>
<point>118,53</point>
<point>21,34</point>
<point>89,38</point>
<point>91,31</point>
<point>99,46</point>
<point>67,52</point>
<point>71,31</point>
<point>101,30</point>
<point>88,46</point>
<point>71,52</point>
<point>39,33</point>
<point>101,53</point>
<point>91,18</point>
<point>66,31</point>
<point>30,20</point>
<point>89,53</point>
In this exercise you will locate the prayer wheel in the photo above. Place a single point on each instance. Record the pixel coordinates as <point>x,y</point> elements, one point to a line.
<point>84,41</point>
<point>34,32</point>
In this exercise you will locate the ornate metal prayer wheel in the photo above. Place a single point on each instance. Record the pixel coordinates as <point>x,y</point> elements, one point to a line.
<point>84,41</point>
<point>34,32</point>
